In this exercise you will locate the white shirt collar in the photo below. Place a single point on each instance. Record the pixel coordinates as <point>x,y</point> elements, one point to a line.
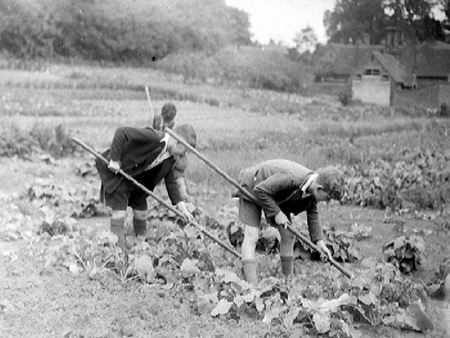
<point>308,182</point>
<point>165,138</point>
<point>164,153</point>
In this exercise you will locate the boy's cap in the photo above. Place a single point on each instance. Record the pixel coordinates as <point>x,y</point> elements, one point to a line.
<point>187,133</point>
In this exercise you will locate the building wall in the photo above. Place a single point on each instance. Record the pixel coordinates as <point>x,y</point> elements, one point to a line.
<point>372,89</point>
<point>428,98</point>
<point>444,93</point>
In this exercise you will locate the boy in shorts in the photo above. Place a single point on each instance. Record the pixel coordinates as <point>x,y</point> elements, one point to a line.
<point>167,120</point>
<point>149,156</point>
<point>283,188</point>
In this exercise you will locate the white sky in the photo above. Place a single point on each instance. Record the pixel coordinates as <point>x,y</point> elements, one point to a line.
<point>280,20</point>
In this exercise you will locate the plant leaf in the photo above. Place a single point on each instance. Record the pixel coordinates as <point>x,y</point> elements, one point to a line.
<point>322,321</point>
<point>189,266</point>
<point>221,308</point>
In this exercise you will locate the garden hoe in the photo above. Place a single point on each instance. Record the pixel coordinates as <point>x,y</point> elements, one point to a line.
<point>168,206</point>
<point>251,197</point>
<point>149,99</point>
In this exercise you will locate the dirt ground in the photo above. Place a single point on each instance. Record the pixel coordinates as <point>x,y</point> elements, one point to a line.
<point>39,301</point>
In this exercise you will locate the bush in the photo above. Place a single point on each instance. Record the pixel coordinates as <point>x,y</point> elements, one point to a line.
<point>244,66</point>
<point>345,96</point>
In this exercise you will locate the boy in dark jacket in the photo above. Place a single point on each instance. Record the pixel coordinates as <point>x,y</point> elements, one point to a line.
<point>283,188</point>
<point>167,120</point>
<point>149,156</point>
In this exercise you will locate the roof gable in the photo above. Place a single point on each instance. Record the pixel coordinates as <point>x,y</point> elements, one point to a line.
<point>395,69</point>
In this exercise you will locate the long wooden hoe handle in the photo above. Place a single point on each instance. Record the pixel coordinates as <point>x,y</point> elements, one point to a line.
<point>150,193</point>
<point>251,197</point>
<point>149,99</point>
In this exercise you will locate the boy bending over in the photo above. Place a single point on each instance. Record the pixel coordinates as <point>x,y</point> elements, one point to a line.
<point>283,188</point>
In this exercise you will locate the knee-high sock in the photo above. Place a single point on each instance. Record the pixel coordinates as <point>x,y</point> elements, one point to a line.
<point>118,228</point>
<point>287,265</point>
<point>250,271</point>
<point>140,226</point>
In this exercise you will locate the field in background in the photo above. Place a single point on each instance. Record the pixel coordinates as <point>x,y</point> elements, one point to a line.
<point>236,126</point>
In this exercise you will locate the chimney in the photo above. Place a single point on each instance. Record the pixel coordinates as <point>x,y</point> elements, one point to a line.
<point>393,39</point>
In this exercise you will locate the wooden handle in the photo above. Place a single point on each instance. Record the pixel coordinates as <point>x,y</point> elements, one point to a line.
<point>252,198</point>
<point>161,201</point>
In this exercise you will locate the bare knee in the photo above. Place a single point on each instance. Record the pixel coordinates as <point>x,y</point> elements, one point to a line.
<point>251,234</point>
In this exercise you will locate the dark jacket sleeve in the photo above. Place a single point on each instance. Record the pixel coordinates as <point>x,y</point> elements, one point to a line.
<point>125,135</point>
<point>179,169</point>
<point>172,188</point>
<point>266,190</point>
<point>312,217</point>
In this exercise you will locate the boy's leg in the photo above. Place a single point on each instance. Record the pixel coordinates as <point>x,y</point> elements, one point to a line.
<point>286,251</point>
<point>118,227</point>
<point>250,216</point>
<point>138,202</point>
<point>249,264</point>
<point>118,201</point>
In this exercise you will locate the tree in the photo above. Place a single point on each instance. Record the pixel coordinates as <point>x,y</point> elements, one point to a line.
<point>415,19</point>
<point>21,28</point>
<point>118,30</point>
<point>445,24</point>
<point>306,40</point>
<point>356,20</point>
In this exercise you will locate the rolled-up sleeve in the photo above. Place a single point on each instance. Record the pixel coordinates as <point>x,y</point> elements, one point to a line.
<point>121,138</point>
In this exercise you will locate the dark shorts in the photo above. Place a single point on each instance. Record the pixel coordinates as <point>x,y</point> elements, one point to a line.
<point>250,214</point>
<point>126,195</point>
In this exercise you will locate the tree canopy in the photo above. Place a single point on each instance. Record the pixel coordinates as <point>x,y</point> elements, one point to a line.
<point>118,30</point>
<point>367,20</point>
